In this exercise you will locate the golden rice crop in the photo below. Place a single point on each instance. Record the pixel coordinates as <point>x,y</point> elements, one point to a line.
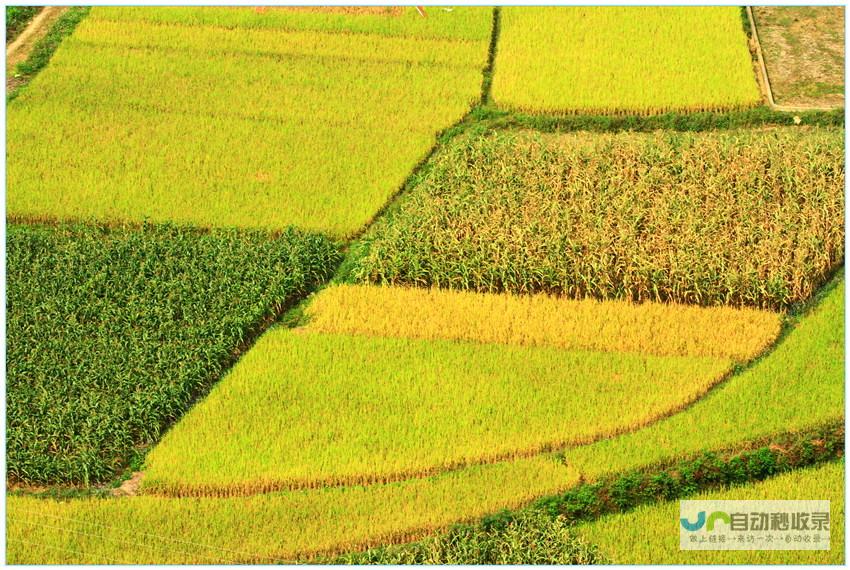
<point>307,410</point>
<point>331,124</point>
<point>648,535</point>
<point>623,59</point>
<point>799,384</point>
<point>543,320</point>
<point>742,218</point>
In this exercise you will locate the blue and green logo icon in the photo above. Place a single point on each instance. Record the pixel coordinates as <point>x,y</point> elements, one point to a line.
<point>708,522</point>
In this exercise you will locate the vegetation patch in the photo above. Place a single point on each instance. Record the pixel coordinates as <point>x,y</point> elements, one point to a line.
<point>331,123</point>
<point>543,320</point>
<point>44,49</point>
<point>736,217</point>
<point>623,59</point>
<point>17,18</point>
<point>623,493</point>
<point>286,527</point>
<point>648,536</point>
<point>113,333</point>
<point>532,538</point>
<point>311,410</point>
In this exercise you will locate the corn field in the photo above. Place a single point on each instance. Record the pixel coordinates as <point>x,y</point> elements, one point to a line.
<point>112,334</point>
<point>741,218</point>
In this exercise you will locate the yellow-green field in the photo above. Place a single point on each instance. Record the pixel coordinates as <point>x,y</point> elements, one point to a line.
<point>543,320</point>
<point>799,384</point>
<point>650,534</point>
<point>288,121</point>
<point>623,59</point>
<point>305,410</point>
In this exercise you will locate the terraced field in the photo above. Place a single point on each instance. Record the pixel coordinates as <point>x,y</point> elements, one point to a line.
<point>230,341</point>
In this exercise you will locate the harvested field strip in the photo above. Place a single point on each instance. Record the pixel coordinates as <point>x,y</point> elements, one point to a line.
<point>112,334</point>
<point>253,42</point>
<point>645,536</point>
<point>312,410</point>
<point>742,218</point>
<point>623,60</point>
<point>543,320</point>
<point>462,22</point>
<point>803,48</point>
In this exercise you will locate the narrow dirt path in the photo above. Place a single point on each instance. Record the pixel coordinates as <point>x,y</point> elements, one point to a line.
<point>19,50</point>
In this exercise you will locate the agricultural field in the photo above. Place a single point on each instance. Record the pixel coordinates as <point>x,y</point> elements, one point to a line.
<point>798,385</point>
<point>543,320</point>
<point>388,285</point>
<point>642,535</point>
<point>803,49</point>
<point>113,333</point>
<point>623,59</point>
<point>725,218</point>
<point>386,396</point>
<point>284,91</point>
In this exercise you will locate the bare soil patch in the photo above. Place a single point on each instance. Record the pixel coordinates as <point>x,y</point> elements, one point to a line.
<point>803,49</point>
<point>130,487</point>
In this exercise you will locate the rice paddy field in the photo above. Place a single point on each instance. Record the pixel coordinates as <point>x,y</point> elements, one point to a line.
<point>354,285</point>
<point>328,118</point>
<point>623,59</point>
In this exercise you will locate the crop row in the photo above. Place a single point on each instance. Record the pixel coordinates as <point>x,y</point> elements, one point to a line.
<point>543,320</point>
<point>331,124</point>
<point>112,334</point>
<point>310,410</point>
<point>740,218</point>
<point>623,59</point>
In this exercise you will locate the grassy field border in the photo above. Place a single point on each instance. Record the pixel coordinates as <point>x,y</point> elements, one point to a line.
<point>750,462</point>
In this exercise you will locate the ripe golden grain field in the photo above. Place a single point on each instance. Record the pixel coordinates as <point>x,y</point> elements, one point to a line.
<point>543,320</point>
